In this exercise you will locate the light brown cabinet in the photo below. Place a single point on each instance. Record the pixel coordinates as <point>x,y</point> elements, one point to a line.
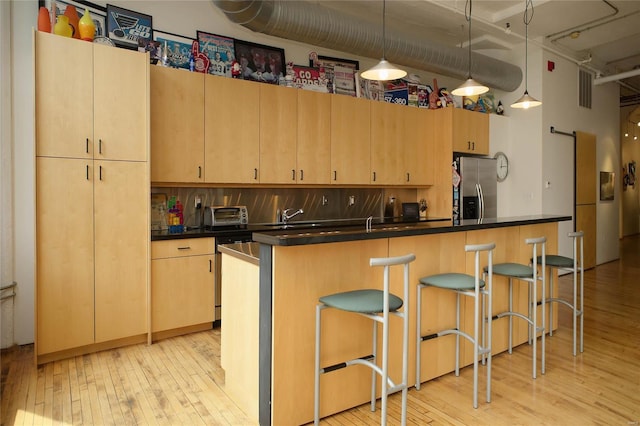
<point>313,150</point>
<point>350,140</point>
<point>468,131</point>
<point>278,134</point>
<point>92,209</point>
<point>231,130</point>
<point>177,125</point>
<point>388,138</point>
<point>419,149</point>
<point>182,283</point>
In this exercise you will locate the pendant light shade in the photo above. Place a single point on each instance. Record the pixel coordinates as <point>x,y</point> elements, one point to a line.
<point>469,87</point>
<point>384,70</point>
<point>526,101</point>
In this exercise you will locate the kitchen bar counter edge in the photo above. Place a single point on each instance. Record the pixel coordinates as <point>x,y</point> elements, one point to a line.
<point>294,237</point>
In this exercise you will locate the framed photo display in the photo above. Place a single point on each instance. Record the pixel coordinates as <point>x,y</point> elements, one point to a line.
<point>607,181</point>
<point>341,72</point>
<point>125,26</point>
<point>98,13</point>
<point>220,51</point>
<point>259,62</point>
<point>179,48</point>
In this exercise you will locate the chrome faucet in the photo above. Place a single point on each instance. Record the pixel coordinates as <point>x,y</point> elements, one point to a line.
<point>286,216</point>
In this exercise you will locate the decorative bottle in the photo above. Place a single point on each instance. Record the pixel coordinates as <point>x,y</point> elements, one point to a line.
<point>72,13</point>
<point>62,27</point>
<point>44,20</point>
<point>86,26</point>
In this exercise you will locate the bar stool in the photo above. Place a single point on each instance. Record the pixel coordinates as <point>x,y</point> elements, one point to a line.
<point>376,305</point>
<point>528,274</point>
<point>572,265</point>
<point>466,285</point>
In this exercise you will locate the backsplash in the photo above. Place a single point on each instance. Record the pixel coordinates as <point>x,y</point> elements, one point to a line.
<point>263,204</point>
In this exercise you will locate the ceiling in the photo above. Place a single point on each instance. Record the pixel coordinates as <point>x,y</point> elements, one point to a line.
<point>602,36</point>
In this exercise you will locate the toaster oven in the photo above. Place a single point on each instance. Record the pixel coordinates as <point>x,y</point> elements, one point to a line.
<point>215,216</point>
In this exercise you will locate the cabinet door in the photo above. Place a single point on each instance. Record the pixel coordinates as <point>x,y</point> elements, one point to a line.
<point>314,137</point>
<point>121,248</point>
<point>121,104</point>
<point>182,292</point>
<point>419,153</point>
<point>64,254</point>
<point>64,101</point>
<point>470,131</point>
<point>231,130</point>
<point>177,125</point>
<point>388,123</point>
<point>278,134</point>
<point>350,140</point>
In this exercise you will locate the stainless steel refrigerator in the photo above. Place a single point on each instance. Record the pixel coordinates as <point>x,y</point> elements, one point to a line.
<point>475,189</point>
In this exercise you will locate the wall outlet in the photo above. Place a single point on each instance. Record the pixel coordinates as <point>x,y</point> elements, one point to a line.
<point>352,200</point>
<point>325,200</point>
<point>197,202</point>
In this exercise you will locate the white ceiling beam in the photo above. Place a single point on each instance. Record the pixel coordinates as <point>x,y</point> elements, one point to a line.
<point>615,77</point>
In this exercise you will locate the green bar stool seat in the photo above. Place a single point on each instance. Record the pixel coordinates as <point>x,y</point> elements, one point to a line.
<point>570,264</point>
<point>527,274</point>
<point>465,285</point>
<point>377,305</point>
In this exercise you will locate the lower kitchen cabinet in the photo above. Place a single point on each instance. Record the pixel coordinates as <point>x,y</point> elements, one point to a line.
<point>91,255</point>
<point>182,285</point>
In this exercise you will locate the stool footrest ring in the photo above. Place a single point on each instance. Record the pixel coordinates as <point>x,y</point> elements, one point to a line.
<point>344,364</point>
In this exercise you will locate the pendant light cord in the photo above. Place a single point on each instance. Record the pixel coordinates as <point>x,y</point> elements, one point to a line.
<point>384,6</point>
<point>527,20</point>
<point>467,16</point>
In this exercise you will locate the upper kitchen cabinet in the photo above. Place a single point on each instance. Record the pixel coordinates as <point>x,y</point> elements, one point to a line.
<point>419,144</point>
<point>313,150</point>
<point>177,125</point>
<point>350,140</point>
<point>467,130</point>
<point>278,134</point>
<point>64,117</point>
<point>389,124</point>
<point>231,130</point>
<point>121,104</point>
<point>94,108</point>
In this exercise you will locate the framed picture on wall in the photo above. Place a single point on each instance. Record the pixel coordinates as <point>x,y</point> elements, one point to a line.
<point>607,181</point>
<point>98,13</point>
<point>220,51</point>
<point>126,26</point>
<point>259,62</point>
<point>179,48</point>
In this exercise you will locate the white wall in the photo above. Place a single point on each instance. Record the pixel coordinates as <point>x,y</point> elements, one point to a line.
<point>535,155</point>
<point>561,110</point>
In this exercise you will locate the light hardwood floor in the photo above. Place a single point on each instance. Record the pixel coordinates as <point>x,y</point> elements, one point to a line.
<point>179,381</point>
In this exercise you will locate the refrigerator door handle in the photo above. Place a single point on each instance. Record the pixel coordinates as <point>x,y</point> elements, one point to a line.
<point>481,198</point>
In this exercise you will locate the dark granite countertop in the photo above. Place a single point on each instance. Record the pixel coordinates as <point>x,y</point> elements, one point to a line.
<point>327,234</point>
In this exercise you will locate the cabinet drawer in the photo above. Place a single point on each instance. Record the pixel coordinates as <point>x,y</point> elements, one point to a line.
<point>182,247</point>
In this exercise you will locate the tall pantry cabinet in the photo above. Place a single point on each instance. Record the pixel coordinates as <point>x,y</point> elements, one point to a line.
<point>92,196</point>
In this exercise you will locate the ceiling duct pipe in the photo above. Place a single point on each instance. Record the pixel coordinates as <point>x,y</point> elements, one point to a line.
<point>314,24</point>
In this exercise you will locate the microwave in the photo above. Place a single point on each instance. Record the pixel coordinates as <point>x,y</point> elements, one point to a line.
<point>225,216</point>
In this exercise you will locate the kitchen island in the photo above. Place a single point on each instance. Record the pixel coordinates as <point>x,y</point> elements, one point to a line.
<point>299,265</point>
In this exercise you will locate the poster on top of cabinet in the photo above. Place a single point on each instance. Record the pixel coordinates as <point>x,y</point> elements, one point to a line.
<point>125,26</point>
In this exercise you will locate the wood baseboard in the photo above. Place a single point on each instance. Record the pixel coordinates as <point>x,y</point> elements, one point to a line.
<point>96,347</point>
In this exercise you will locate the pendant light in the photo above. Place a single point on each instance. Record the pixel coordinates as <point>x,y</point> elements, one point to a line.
<point>526,101</point>
<point>384,70</point>
<point>469,87</point>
